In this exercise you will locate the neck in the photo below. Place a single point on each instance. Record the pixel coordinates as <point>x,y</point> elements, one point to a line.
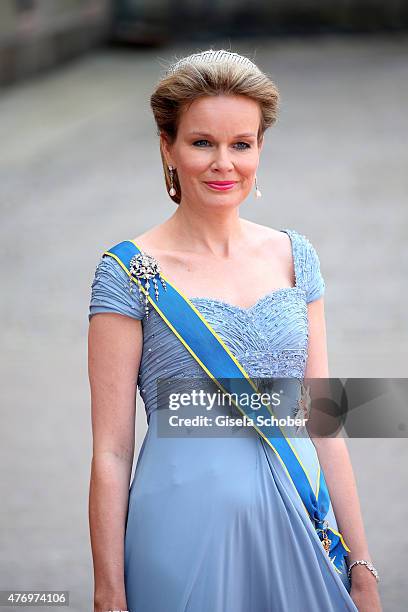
<point>215,234</point>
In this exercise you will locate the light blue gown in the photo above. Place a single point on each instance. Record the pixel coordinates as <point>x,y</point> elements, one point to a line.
<point>215,524</point>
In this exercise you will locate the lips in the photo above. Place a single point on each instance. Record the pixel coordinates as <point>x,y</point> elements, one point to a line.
<point>221,185</point>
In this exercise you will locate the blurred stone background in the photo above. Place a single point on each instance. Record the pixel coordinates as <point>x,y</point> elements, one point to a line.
<point>80,171</point>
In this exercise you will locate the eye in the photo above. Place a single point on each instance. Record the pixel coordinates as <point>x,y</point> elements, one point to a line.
<point>197,142</point>
<point>246,145</point>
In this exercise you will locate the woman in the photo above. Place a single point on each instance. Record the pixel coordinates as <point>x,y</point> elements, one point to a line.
<point>220,524</point>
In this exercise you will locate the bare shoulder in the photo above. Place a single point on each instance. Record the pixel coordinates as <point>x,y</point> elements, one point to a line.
<point>157,242</point>
<point>268,239</point>
<point>149,239</point>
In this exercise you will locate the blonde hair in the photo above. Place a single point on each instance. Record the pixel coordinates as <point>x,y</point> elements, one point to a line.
<point>210,73</point>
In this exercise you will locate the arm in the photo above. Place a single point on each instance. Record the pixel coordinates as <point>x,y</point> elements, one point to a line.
<point>114,353</point>
<point>335,460</point>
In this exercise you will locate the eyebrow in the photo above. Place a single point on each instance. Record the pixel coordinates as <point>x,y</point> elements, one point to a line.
<point>245,135</point>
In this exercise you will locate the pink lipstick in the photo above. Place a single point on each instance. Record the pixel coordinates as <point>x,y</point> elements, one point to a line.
<point>221,185</point>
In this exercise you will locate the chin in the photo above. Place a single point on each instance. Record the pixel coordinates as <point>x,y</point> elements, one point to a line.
<point>224,198</point>
<point>229,200</point>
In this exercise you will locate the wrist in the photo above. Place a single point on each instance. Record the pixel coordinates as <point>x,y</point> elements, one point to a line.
<point>360,576</point>
<point>109,601</point>
<point>363,575</point>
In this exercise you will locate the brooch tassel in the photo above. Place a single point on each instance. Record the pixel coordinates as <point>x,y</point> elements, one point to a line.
<point>146,267</point>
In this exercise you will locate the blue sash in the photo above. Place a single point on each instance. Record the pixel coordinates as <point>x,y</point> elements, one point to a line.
<point>215,358</point>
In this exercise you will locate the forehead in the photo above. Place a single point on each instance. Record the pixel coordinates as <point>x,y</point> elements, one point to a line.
<point>221,113</point>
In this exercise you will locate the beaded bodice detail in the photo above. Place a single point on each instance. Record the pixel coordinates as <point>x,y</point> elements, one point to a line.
<point>269,339</point>
<point>254,335</point>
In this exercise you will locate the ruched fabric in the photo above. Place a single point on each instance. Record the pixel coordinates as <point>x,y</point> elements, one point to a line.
<point>214,524</point>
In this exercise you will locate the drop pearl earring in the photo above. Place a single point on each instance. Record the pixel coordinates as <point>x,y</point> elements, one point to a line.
<point>258,193</point>
<point>172,190</point>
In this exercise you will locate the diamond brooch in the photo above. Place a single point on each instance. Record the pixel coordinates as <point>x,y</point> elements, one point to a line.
<point>144,266</point>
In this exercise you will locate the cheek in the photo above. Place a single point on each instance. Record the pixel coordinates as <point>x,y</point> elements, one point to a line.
<point>192,162</point>
<point>247,165</point>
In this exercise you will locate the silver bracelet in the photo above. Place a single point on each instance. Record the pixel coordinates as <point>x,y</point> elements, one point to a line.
<point>368,565</point>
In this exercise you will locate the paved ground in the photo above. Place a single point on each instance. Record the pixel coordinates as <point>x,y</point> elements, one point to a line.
<point>80,171</point>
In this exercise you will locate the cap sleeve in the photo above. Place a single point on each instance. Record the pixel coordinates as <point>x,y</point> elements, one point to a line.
<point>314,281</point>
<point>110,291</point>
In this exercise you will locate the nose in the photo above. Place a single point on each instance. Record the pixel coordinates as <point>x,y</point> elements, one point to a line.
<point>222,160</point>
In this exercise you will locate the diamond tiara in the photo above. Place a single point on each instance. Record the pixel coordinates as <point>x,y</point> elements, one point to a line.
<point>211,56</point>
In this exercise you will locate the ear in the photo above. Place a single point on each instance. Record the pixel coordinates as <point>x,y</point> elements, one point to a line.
<point>166,148</point>
<point>261,142</point>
